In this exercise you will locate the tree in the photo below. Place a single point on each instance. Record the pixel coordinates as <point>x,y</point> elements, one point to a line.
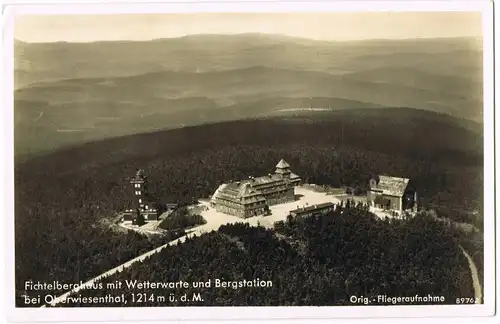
<point>139,218</point>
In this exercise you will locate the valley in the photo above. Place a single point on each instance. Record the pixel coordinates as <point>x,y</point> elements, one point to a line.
<point>97,93</point>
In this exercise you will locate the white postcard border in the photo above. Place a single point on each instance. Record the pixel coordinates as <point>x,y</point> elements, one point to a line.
<point>246,313</point>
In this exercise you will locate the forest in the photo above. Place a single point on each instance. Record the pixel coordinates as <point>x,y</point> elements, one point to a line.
<point>80,260</point>
<point>61,199</point>
<point>319,261</point>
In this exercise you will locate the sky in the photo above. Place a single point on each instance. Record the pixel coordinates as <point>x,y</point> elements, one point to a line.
<point>321,26</point>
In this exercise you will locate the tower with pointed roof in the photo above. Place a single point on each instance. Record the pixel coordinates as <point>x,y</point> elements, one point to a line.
<point>283,169</point>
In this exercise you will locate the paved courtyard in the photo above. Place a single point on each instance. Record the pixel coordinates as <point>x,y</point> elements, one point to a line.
<point>307,194</point>
<point>307,197</point>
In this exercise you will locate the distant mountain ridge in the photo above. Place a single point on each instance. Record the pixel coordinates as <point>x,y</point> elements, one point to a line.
<point>270,37</point>
<point>53,61</point>
<point>91,91</point>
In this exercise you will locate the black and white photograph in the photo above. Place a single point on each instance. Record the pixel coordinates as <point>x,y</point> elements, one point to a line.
<point>185,158</point>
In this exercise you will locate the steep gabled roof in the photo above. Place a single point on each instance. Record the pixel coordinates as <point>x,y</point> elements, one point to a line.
<point>272,178</point>
<point>219,189</point>
<point>139,176</point>
<point>237,190</point>
<point>392,186</point>
<point>282,164</point>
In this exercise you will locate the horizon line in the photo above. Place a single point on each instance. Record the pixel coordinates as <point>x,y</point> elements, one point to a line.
<point>477,37</point>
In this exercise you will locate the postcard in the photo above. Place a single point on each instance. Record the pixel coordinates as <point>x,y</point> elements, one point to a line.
<point>241,160</point>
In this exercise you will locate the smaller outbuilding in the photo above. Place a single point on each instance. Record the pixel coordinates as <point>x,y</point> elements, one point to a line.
<point>392,194</point>
<point>313,210</point>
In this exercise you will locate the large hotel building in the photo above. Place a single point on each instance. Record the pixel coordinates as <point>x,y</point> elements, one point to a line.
<point>253,197</point>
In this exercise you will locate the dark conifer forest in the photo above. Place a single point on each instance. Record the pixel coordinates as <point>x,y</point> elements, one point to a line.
<point>321,260</point>
<point>66,201</point>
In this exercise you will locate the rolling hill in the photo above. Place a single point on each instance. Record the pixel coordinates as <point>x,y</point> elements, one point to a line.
<point>195,111</point>
<point>107,89</point>
<point>38,62</point>
<point>43,128</point>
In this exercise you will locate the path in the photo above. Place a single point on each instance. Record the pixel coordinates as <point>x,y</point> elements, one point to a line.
<point>125,265</point>
<point>207,228</point>
<point>478,293</point>
<point>214,221</point>
<point>212,224</point>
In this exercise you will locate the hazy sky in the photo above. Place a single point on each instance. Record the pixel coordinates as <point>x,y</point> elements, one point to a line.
<point>325,26</point>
